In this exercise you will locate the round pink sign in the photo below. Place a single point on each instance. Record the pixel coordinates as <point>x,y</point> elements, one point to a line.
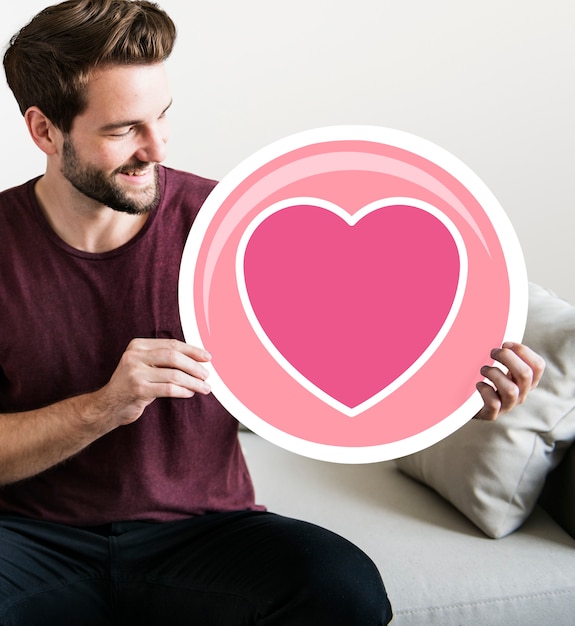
<point>350,282</point>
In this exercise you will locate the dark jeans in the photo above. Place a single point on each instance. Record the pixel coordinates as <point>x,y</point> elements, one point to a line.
<point>226,569</point>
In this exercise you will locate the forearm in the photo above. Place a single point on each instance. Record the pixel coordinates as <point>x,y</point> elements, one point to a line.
<point>34,441</point>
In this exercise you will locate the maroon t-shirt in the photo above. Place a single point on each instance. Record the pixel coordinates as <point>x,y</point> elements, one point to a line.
<point>66,317</point>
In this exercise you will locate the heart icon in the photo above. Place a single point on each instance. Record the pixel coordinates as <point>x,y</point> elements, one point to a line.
<point>351,305</point>
<point>350,283</point>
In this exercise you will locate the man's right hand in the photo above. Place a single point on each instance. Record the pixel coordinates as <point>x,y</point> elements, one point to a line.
<point>150,369</point>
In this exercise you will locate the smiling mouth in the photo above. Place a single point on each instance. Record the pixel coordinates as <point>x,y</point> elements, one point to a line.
<point>136,171</point>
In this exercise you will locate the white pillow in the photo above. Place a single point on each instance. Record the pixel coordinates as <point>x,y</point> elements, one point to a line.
<point>493,472</point>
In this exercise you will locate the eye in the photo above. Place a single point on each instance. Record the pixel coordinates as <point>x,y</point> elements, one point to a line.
<point>125,133</point>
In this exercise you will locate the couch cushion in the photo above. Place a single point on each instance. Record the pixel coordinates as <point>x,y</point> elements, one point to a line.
<point>494,472</point>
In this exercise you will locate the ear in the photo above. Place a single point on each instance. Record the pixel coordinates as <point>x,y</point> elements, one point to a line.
<point>44,134</point>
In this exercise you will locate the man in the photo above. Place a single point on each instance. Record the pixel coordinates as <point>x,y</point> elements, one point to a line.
<point>125,496</point>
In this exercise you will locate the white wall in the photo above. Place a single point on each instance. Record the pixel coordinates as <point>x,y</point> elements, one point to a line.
<point>492,81</point>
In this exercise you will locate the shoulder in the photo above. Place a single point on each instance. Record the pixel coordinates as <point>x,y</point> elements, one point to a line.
<point>182,196</point>
<point>21,227</point>
<point>180,186</point>
<point>18,194</point>
<point>17,204</point>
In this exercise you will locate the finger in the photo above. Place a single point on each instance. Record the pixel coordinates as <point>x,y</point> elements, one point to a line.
<point>530,357</point>
<point>170,353</point>
<point>162,368</point>
<point>194,352</point>
<point>173,383</point>
<point>176,360</point>
<point>524,366</point>
<point>505,388</point>
<point>491,402</point>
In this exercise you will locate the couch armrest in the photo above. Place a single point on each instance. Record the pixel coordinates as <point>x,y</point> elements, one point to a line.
<point>558,496</point>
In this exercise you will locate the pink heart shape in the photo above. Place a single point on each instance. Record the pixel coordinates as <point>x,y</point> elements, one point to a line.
<point>353,305</point>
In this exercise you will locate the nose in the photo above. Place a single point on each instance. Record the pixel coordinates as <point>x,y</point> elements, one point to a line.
<point>153,148</point>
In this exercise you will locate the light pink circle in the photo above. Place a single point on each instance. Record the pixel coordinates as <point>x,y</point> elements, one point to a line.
<point>346,169</point>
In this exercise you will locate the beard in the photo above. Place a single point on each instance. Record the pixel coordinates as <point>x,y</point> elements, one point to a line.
<point>104,188</point>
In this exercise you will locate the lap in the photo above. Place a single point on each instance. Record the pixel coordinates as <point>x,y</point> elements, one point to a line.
<point>236,568</point>
<point>44,567</point>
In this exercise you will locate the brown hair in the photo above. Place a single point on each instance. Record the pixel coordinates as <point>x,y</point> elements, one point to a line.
<point>49,61</point>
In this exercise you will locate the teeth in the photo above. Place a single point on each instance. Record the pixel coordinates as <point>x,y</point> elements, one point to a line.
<point>135,172</point>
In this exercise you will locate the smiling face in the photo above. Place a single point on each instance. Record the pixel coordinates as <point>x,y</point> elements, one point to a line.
<point>112,152</point>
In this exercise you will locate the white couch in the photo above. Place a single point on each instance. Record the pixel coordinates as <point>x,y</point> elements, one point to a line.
<point>484,552</point>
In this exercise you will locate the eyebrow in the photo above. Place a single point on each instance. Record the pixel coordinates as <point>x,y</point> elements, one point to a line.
<point>126,123</point>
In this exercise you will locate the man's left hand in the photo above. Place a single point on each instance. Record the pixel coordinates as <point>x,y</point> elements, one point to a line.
<point>525,369</point>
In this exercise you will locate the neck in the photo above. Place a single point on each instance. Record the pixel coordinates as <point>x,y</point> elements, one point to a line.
<point>82,222</point>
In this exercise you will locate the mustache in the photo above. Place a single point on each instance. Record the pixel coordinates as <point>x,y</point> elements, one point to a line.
<point>136,166</point>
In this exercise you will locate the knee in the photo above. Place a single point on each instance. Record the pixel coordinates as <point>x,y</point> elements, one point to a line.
<point>340,585</point>
<point>352,591</point>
